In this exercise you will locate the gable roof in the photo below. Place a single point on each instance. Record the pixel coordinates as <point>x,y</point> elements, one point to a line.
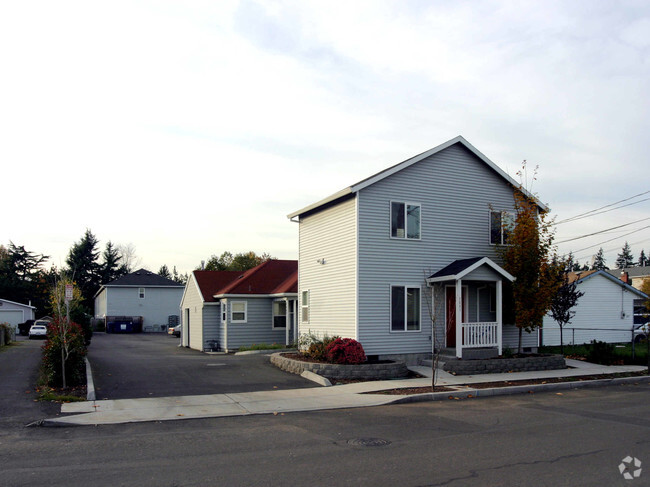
<point>351,190</point>
<point>585,275</point>
<point>461,268</point>
<point>209,282</point>
<point>143,278</point>
<point>18,304</point>
<point>270,277</point>
<point>636,271</point>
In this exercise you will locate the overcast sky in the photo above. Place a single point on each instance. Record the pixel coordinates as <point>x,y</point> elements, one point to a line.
<point>190,128</point>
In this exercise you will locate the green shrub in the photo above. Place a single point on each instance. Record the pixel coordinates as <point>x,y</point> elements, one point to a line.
<point>5,329</point>
<point>601,353</point>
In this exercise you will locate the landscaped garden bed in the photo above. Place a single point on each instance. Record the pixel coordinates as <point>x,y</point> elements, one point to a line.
<point>297,364</point>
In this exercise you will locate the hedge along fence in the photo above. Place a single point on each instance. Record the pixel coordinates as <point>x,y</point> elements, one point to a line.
<point>388,370</point>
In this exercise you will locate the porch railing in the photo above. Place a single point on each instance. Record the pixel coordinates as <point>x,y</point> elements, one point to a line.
<point>482,334</point>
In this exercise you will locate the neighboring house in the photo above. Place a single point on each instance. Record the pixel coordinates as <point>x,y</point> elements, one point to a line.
<point>633,276</point>
<point>226,310</point>
<point>15,313</point>
<point>604,312</point>
<point>140,293</point>
<point>372,256</point>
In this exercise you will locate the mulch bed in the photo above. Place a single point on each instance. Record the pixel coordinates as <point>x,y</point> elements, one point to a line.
<point>506,383</point>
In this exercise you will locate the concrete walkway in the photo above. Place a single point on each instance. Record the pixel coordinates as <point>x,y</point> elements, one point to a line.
<point>310,399</point>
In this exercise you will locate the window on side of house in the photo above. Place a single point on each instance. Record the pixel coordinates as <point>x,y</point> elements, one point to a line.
<point>238,311</point>
<point>501,224</point>
<point>405,220</point>
<point>141,293</point>
<point>304,307</point>
<point>224,311</point>
<point>279,314</point>
<point>405,308</point>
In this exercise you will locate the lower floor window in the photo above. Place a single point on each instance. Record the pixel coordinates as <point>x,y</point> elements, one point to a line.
<point>405,308</point>
<point>279,314</point>
<point>238,311</point>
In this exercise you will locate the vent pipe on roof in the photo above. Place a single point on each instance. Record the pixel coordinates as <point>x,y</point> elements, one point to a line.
<point>202,265</point>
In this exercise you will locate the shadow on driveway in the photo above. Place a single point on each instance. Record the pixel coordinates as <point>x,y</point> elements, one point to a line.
<point>153,365</point>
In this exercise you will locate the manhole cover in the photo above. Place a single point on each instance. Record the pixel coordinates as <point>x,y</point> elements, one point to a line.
<point>368,442</point>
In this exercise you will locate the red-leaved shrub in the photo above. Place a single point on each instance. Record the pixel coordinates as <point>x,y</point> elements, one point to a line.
<point>345,351</point>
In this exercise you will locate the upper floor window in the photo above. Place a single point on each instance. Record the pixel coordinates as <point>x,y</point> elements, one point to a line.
<point>238,311</point>
<point>405,220</point>
<point>501,223</point>
<point>141,292</point>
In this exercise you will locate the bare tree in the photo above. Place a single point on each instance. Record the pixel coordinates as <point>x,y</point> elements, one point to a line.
<point>130,261</point>
<point>436,343</point>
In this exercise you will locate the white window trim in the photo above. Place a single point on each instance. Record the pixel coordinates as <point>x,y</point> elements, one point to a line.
<point>232,312</point>
<point>390,321</point>
<point>286,310</point>
<point>141,293</point>
<point>390,220</point>
<point>224,311</point>
<point>503,212</point>
<point>303,306</point>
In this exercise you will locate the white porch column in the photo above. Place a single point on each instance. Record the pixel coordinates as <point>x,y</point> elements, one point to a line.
<point>459,318</point>
<point>500,315</point>
<point>286,321</point>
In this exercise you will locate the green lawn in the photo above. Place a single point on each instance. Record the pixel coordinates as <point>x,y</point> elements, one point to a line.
<point>620,353</point>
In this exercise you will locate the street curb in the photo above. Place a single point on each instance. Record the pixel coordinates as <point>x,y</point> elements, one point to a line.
<point>269,351</point>
<point>511,390</point>
<point>323,381</point>
<point>90,384</point>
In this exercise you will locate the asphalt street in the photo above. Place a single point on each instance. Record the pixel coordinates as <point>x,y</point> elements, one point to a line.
<point>153,365</point>
<point>576,438</point>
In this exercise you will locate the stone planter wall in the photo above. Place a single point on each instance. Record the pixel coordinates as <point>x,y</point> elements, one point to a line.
<point>503,365</point>
<point>390,370</point>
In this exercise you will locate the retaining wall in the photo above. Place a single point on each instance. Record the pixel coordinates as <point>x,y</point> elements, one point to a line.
<point>503,365</point>
<point>389,370</point>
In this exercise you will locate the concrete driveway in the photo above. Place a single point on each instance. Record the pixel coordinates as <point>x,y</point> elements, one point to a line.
<point>153,365</point>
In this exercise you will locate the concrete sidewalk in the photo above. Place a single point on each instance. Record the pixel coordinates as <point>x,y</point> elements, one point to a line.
<point>310,399</point>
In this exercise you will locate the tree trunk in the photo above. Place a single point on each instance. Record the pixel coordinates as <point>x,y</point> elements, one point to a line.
<point>519,349</point>
<point>561,342</point>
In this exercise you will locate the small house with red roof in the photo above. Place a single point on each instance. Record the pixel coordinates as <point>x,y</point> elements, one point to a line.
<point>226,310</point>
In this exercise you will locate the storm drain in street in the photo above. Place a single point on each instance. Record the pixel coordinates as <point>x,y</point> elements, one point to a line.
<point>368,442</point>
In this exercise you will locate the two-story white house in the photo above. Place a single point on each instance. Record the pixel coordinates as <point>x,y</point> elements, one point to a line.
<point>415,244</point>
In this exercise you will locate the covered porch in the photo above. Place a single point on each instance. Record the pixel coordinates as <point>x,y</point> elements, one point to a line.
<point>468,303</point>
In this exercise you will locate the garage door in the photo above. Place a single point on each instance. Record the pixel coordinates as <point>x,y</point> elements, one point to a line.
<point>11,316</point>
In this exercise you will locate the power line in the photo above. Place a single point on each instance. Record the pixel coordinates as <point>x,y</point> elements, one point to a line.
<point>611,239</point>
<point>593,212</point>
<point>604,231</point>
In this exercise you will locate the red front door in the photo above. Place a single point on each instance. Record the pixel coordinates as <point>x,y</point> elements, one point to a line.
<point>450,307</point>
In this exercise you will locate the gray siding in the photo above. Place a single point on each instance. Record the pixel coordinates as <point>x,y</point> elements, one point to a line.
<point>456,192</point>
<point>157,305</point>
<point>258,327</point>
<point>600,309</point>
<point>331,235</point>
<point>100,304</point>
<point>510,338</point>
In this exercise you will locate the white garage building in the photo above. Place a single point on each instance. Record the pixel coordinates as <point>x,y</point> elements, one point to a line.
<point>15,313</point>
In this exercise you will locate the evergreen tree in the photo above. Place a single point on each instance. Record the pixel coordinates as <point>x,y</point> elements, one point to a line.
<point>643,260</point>
<point>164,272</point>
<point>625,258</point>
<point>22,278</point>
<point>111,268</point>
<point>599,261</point>
<point>179,278</point>
<point>83,267</point>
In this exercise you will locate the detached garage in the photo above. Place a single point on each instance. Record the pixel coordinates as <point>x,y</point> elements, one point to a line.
<point>605,312</point>
<point>15,313</point>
